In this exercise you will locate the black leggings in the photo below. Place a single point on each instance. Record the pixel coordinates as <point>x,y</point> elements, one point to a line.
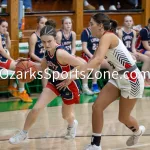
<point>112,2</point>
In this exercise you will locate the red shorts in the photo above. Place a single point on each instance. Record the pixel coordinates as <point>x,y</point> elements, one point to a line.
<point>70,95</point>
<point>142,51</point>
<point>6,64</point>
<point>85,57</point>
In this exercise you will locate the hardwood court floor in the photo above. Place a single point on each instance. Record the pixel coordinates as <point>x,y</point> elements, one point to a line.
<point>47,133</point>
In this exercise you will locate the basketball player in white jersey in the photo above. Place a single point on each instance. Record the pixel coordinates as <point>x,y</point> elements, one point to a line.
<point>126,85</point>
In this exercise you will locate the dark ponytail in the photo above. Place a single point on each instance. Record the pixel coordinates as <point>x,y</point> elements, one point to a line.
<point>109,25</point>
<point>49,28</point>
<point>51,22</point>
<point>113,25</point>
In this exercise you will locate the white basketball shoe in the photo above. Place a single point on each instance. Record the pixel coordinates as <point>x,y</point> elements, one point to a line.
<point>71,131</point>
<point>18,138</point>
<point>93,147</point>
<point>135,138</point>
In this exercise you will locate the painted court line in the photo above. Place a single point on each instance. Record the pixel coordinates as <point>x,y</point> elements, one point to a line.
<point>136,146</point>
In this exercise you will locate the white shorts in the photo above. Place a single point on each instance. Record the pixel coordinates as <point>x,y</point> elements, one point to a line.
<point>130,88</point>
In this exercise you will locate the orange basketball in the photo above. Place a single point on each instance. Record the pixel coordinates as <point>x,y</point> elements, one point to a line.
<point>25,71</point>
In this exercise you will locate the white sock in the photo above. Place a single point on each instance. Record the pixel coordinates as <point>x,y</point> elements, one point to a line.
<point>94,82</point>
<point>71,126</point>
<point>21,90</point>
<point>86,3</point>
<point>85,85</point>
<point>97,134</point>
<point>15,85</point>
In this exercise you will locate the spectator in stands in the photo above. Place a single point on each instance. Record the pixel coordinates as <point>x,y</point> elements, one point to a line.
<point>89,46</point>
<point>88,6</point>
<point>26,3</point>
<point>134,3</point>
<point>143,41</point>
<point>6,43</point>
<point>7,62</point>
<point>111,7</point>
<point>36,48</point>
<point>66,36</point>
<point>128,36</point>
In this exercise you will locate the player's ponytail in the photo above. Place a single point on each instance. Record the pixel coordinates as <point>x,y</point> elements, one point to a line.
<point>49,29</point>
<point>51,22</point>
<point>113,25</point>
<point>109,24</point>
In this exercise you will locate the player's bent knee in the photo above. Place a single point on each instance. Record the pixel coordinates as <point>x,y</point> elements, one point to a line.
<point>96,108</point>
<point>65,116</point>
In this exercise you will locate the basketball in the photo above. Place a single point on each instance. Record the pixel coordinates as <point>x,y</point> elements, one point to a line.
<point>25,71</point>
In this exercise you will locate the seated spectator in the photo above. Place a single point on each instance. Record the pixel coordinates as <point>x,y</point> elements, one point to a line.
<point>135,4</point>
<point>143,41</point>
<point>67,37</point>
<point>26,3</point>
<point>6,62</point>
<point>128,36</point>
<point>89,46</point>
<point>36,48</point>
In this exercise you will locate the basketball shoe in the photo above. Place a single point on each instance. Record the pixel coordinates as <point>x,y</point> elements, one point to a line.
<point>87,91</point>
<point>24,96</point>
<point>13,91</point>
<point>95,88</point>
<point>135,138</point>
<point>89,7</point>
<point>71,131</point>
<point>19,137</point>
<point>93,147</point>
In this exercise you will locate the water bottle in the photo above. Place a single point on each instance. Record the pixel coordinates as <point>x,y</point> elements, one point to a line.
<point>118,5</point>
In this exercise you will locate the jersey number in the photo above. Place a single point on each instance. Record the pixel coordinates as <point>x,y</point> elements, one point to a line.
<point>94,47</point>
<point>68,47</point>
<point>128,44</point>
